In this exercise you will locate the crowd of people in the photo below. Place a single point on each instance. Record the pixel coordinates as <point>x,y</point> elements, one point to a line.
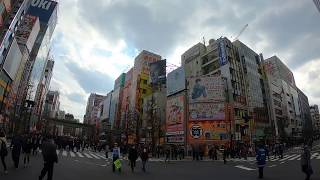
<point>30,144</point>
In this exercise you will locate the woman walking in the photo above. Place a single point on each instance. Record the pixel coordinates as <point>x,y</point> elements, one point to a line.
<point>16,145</point>
<point>3,150</point>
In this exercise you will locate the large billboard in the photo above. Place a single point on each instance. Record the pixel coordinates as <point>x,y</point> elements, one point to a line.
<point>27,31</point>
<point>206,111</point>
<point>13,60</point>
<point>176,81</point>
<point>42,9</point>
<point>207,131</point>
<point>205,89</point>
<point>158,72</point>
<point>175,114</point>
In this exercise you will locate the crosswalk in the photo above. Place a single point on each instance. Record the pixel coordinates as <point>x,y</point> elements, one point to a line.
<point>287,157</point>
<point>89,155</point>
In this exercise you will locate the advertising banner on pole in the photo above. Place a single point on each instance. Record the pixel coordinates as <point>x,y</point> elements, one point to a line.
<point>222,52</point>
<point>206,111</point>
<point>206,89</point>
<point>176,81</point>
<point>175,115</point>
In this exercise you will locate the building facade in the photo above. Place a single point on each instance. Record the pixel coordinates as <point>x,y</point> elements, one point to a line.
<point>315,117</point>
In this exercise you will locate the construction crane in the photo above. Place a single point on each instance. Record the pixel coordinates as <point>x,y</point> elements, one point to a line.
<point>242,30</point>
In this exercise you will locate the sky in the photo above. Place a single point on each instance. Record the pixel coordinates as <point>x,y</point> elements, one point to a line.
<point>95,41</point>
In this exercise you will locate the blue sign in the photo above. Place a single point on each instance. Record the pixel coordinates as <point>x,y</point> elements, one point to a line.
<point>42,9</point>
<point>222,53</point>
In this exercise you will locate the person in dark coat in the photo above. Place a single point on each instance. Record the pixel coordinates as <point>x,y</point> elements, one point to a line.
<point>144,157</point>
<point>16,146</point>
<point>261,159</point>
<point>3,150</point>
<point>306,162</point>
<point>133,156</point>
<point>26,149</point>
<point>49,153</point>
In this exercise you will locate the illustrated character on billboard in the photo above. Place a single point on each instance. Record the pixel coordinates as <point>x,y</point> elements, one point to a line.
<point>175,115</point>
<point>198,90</point>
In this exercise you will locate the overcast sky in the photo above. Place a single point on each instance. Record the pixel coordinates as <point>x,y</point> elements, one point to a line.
<point>95,41</point>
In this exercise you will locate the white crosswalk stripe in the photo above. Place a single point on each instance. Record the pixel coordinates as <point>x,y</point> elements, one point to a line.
<point>72,154</point>
<point>80,155</point>
<point>64,153</point>
<point>91,154</point>
<point>101,156</point>
<point>285,158</point>
<point>294,157</point>
<point>87,155</point>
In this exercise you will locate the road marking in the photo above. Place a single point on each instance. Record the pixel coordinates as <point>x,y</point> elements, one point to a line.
<point>245,168</point>
<point>72,154</point>
<point>80,155</point>
<point>295,157</point>
<point>282,162</point>
<point>101,156</point>
<point>315,155</point>
<point>91,154</point>
<point>273,165</point>
<point>64,153</point>
<point>285,158</point>
<point>87,155</point>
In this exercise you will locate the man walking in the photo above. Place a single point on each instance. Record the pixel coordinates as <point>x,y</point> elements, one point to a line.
<point>26,149</point>
<point>49,153</point>
<point>133,156</point>
<point>306,162</point>
<point>261,159</point>
<point>16,145</point>
<point>144,157</point>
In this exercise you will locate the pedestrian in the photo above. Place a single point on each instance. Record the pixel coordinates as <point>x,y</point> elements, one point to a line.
<point>49,157</point>
<point>3,150</point>
<point>133,156</point>
<point>224,153</point>
<point>306,162</point>
<point>214,153</point>
<point>281,149</point>
<point>115,156</point>
<point>26,150</point>
<point>16,146</point>
<point>261,159</point>
<point>167,155</point>
<point>144,157</point>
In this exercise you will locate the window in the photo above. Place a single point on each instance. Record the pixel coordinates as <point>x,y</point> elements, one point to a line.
<point>278,112</point>
<point>144,91</point>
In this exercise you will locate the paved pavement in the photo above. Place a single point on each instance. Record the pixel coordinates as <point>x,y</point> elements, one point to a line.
<point>94,166</point>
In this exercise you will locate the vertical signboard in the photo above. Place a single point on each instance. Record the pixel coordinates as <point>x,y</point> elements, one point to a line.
<point>176,81</point>
<point>158,72</point>
<point>222,52</point>
<point>27,31</point>
<point>42,9</point>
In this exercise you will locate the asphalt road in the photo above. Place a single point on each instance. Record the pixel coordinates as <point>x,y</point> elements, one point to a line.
<point>95,168</point>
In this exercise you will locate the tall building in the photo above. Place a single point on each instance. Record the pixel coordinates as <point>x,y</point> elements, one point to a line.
<point>116,100</point>
<point>306,129</point>
<point>255,91</point>
<point>140,87</point>
<point>52,105</point>
<point>46,10</point>
<point>315,117</point>
<point>216,94</point>
<point>285,113</point>
<point>104,123</point>
<point>92,109</point>
<point>12,58</point>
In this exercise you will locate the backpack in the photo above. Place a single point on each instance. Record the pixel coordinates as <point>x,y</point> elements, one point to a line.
<point>4,150</point>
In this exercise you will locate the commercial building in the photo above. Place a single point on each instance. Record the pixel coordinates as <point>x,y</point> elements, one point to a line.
<point>315,117</point>
<point>40,55</point>
<point>104,123</point>
<point>285,112</point>
<point>256,95</point>
<point>216,94</point>
<point>11,58</point>
<point>52,105</point>
<point>116,100</point>
<point>92,109</point>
